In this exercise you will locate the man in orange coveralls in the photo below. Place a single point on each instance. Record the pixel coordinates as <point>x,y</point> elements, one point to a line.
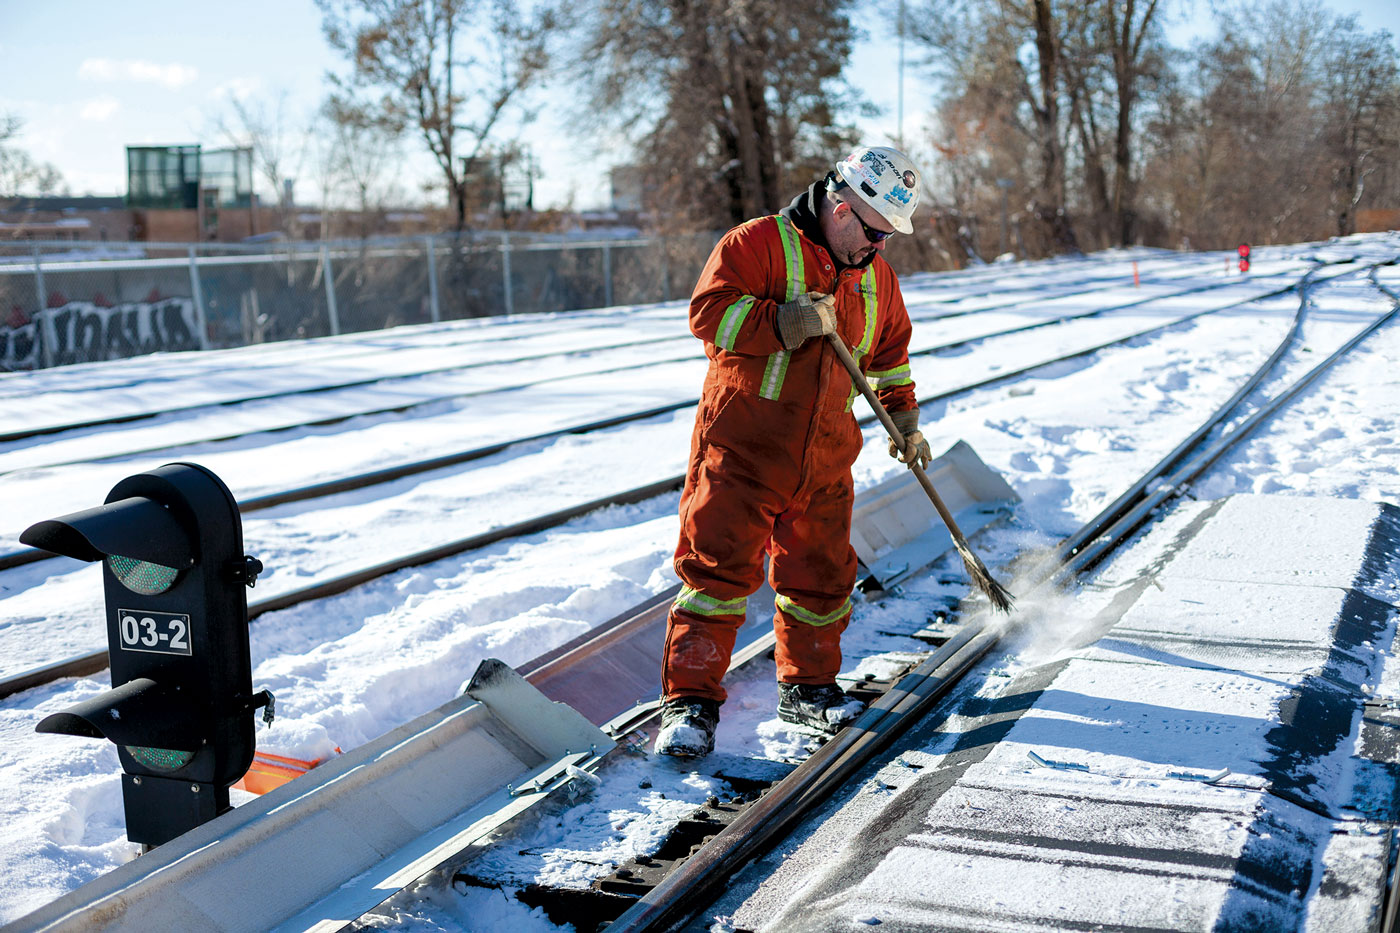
<point>775,437</point>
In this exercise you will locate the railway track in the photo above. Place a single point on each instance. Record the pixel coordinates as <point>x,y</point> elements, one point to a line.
<point>95,660</point>
<point>656,894</point>
<point>379,380</point>
<point>13,558</point>
<point>746,830</point>
<point>324,351</point>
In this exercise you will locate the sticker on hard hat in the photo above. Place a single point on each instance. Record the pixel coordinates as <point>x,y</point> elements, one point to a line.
<point>875,163</point>
<point>898,196</point>
<point>860,174</point>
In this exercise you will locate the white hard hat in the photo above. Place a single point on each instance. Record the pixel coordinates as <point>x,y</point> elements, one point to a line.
<point>886,180</point>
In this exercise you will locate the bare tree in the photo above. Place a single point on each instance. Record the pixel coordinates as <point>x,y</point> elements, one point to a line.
<point>732,105</point>
<point>1260,100</point>
<point>1009,54</point>
<point>1089,94</point>
<point>1294,109</point>
<point>1279,129</point>
<point>449,69</point>
<point>1113,61</point>
<point>1362,113</point>
<point>364,150</point>
<point>1127,34</point>
<point>18,169</point>
<point>1044,97</point>
<point>323,174</point>
<point>278,148</point>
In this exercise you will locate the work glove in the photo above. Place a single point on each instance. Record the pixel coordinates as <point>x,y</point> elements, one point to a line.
<point>809,315</point>
<point>915,449</point>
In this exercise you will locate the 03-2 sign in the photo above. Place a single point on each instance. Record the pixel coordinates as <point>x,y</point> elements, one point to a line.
<point>157,632</point>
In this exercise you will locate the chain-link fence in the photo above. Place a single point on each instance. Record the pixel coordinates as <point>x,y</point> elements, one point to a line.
<point>71,302</point>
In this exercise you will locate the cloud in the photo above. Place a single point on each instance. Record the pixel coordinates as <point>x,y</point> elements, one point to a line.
<point>238,88</point>
<point>107,69</point>
<point>99,108</point>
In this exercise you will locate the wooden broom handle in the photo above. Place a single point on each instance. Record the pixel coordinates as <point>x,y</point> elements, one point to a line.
<point>858,378</point>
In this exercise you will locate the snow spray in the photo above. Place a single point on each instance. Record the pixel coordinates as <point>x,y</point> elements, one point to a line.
<point>1045,624</point>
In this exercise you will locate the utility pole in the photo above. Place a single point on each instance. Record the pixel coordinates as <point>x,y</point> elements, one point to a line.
<point>501,185</point>
<point>1003,184</point>
<point>899,129</point>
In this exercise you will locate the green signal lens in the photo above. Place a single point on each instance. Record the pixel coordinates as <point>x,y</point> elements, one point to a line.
<point>142,576</point>
<point>160,759</point>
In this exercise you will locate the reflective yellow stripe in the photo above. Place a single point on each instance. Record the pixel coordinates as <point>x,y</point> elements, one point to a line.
<point>792,254</point>
<point>776,370</point>
<point>899,376</point>
<point>731,322</point>
<point>811,618</point>
<point>774,374</point>
<point>872,311</point>
<point>692,600</point>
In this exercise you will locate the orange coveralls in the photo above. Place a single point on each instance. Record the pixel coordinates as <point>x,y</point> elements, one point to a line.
<point>771,453</point>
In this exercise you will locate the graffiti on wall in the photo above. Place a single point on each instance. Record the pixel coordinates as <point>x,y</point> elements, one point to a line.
<point>81,331</point>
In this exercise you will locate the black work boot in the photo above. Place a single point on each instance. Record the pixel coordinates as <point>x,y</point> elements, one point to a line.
<point>819,706</point>
<point>687,727</point>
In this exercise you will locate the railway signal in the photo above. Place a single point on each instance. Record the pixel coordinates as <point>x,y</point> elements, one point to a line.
<point>180,710</point>
<point>1243,250</point>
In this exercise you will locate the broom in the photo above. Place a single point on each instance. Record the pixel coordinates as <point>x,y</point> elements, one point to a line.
<point>1001,599</point>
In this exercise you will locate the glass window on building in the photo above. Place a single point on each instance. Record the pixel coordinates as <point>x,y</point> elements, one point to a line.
<point>230,173</point>
<point>162,176</point>
<point>174,176</point>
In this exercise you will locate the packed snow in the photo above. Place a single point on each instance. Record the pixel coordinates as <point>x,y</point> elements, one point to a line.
<point>1068,438</point>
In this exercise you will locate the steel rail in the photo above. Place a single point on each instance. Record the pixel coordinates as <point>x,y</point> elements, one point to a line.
<point>370,478</point>
<point>289,353</point>
<point>1134,493</point>
<point>994,272</point>
<point>682,894</point>
<point>438,399</point>
<point>148,413</point>
<point>690,887</point>
<point>95,661</point>
<point>678,897</point>
<point>460,337</point>
<point>1175,484</point>
<point>56,428</point>
<point>350,355</point>
<point>1099,283</point>
<point>912,699</point>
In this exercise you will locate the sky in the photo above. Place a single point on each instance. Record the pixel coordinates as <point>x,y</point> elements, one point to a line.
<point>351,667</point>
<point>89,78</point>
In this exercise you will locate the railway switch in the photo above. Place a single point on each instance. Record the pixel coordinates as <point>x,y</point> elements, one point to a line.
<point>181,707</point>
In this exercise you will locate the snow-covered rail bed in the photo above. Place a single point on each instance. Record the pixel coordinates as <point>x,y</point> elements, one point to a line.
<point>466,398</point>
<point>306,544</point>
<point>365,661</point>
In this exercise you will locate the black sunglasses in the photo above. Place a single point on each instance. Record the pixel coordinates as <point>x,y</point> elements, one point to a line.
<point>871,234</point>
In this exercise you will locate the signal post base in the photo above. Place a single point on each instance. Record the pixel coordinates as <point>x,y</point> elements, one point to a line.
<point>159,809</point>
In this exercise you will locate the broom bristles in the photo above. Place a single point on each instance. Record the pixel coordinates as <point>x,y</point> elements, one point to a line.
<point>1000,597</point>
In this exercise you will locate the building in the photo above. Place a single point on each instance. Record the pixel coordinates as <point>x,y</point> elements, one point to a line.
<point>181,193</point>
<point>64,218</point>
<point>177,194</point>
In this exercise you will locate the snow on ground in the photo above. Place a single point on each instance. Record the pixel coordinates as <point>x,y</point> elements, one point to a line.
<point>348,668</point>
<point>1339,438</point>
